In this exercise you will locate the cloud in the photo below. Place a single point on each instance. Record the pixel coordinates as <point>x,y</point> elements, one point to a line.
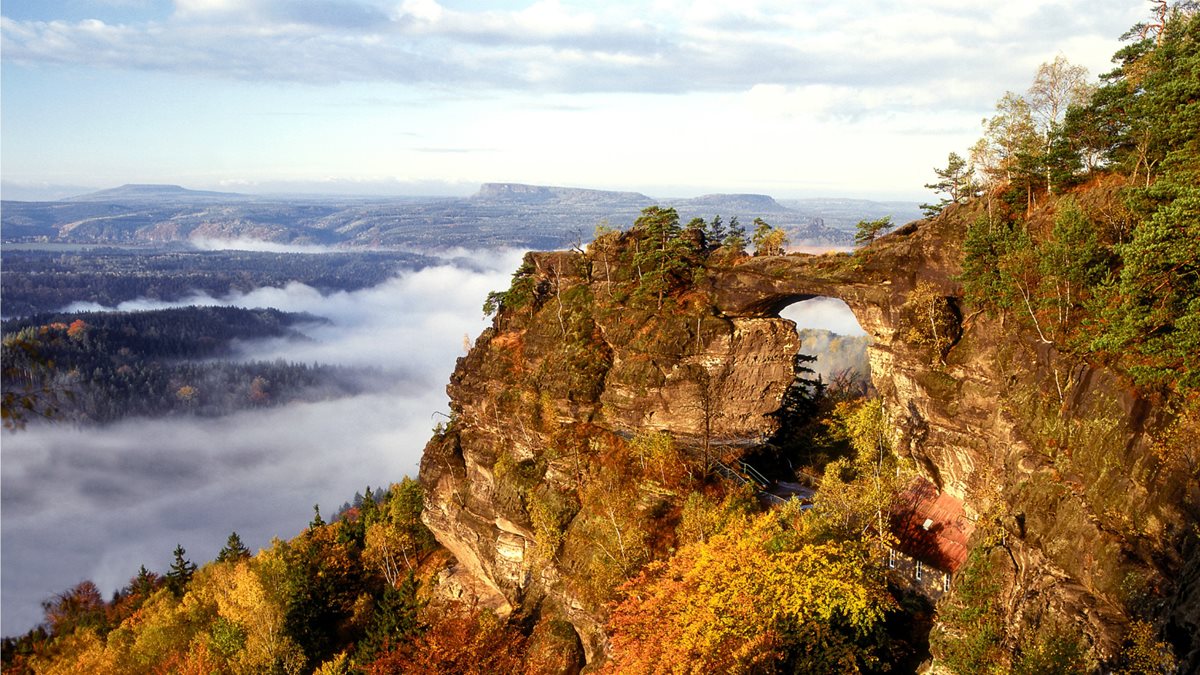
<point>667,47</point>
<point>96,503</point>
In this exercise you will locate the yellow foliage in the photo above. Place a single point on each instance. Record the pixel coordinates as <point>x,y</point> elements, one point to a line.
<point>81,653</point>
<point>389,550</point>
<point>249,594</point>
<point>742,600</point>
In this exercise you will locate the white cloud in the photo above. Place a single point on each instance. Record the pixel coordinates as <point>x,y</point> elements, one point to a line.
<point>549,45</point>
<point>186,7</point>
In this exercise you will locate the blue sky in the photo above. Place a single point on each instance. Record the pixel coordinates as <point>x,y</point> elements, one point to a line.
<point>670,98</point>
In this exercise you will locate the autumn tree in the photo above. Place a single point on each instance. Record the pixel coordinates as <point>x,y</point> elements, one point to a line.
<point>767,239</point>
<point>81,606</point>
<point>1145,654</point>
<point>755,598</point>
<point>857,492</point>
<point>1011,149</point>
<point>390,551</point>
<point>931,320</point>
<point>456,639</point>
<point>1056,87</point>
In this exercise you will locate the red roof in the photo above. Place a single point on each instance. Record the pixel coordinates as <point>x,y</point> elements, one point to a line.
<point>944,544</point>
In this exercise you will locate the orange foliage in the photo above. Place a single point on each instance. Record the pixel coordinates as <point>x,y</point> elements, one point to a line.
<point>467,641</point>
<point>77,329</point>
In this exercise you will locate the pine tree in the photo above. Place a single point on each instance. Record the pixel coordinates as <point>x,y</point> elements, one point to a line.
<point>664,255</point>
<point>735,238</point>
<point>714,233</point>
<point>234,549</point>
<point>143,584</point>
<point>181,571</point>
<point>954,181</point>
<point>868,230</point>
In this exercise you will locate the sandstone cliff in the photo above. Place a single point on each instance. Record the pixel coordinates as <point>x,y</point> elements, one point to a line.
<point>1055,456</point>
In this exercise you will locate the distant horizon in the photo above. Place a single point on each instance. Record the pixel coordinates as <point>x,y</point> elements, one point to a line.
<point>434,97</point>
<point>435,190</point>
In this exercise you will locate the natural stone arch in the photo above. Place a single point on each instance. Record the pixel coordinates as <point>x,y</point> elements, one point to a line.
<point>762,287</point>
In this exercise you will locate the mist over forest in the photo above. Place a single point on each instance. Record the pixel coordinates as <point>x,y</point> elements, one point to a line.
<point>95,502</point>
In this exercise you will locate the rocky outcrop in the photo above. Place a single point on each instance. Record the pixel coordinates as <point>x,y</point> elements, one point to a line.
<point>1052,453</point>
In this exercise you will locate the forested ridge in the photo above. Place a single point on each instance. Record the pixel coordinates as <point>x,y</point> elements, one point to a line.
<point>35,281</point>
<point>99,367</point>
<point>1080,214</point>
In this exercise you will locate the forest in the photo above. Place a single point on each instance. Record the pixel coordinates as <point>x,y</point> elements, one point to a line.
<point>1080,210</point>
<point>35,281</point>
<point>98,367</point>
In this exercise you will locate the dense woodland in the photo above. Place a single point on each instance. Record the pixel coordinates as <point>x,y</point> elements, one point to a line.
<point>98,367</point>
<point>34,281</point>
<point>1088,199</point>
<point>1084,231</point>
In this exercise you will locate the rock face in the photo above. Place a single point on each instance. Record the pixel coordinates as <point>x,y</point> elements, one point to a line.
<point>1055,454</point>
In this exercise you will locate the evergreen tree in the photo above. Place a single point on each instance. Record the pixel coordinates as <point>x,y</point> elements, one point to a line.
<point>954,182</point>
<point>181,571</point>
<point>1151,312</point>
<point>144,583</point>
<point>735,238</point>
<point>868,230</point>
<point>394,618</point>
<point>714,233</point>
<point>664,256</point>
<point>234,549</point>
<point>317,520</point>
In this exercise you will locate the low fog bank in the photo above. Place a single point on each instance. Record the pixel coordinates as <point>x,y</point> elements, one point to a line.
<point>828,314</point>
<point>258,245</point>
<point>96,503</point>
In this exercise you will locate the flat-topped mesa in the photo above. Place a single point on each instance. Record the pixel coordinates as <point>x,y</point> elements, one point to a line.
<point>577,358</point>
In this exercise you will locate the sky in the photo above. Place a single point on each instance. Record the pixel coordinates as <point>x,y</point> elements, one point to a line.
<point>788,98</point>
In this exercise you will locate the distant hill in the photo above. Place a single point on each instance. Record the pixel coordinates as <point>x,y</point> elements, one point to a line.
<point>741,204</point>
<point>155,192</point>
<point>540,194</point>
<point>499,215</point>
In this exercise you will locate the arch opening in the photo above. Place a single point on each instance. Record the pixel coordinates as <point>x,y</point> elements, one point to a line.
<point>830,333</point>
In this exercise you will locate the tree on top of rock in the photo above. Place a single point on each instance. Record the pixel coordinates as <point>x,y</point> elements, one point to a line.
<point>663,257</point>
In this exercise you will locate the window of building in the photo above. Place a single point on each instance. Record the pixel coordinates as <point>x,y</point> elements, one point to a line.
<point>946,583</point>
<point>891,558</point>
<point>917,575</point>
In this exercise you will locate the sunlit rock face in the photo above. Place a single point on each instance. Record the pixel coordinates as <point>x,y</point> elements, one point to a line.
<point>1053,452</point>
